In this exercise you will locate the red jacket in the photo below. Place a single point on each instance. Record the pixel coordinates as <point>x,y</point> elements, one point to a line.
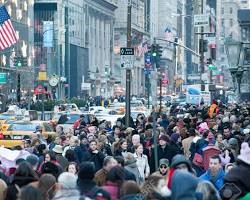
<point>112,189</point>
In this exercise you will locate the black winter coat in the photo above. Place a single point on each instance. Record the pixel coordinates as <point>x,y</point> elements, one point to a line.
<point>96,158</point>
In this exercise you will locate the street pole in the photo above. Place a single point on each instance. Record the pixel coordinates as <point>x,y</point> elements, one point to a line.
<point>154,103</point>
<point>128,71</point>
<point>160,93</point>
<point>202,64</point>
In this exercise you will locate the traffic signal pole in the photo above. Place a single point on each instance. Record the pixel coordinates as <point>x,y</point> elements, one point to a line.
<point>202,64</point>
<point>128,71</point>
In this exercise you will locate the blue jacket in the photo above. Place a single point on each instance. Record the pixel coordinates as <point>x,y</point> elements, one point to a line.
<point>218,183</point>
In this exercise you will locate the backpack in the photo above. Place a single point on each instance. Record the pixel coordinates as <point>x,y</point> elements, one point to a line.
<point>95,193</point>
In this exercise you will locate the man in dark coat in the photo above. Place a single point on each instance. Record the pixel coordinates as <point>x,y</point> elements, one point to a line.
<point>93,155</point>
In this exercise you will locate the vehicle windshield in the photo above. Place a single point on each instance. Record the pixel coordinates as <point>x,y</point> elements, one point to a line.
<point>6,116</point>
<point>136,104</point>
<point>22,127</point>
<point>68,119</point>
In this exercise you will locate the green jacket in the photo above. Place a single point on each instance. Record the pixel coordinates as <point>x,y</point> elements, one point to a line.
<point>246,197</point>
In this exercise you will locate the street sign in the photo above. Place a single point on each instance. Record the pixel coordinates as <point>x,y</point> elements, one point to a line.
<point>85,86</point>
<point>164,81</point>
<point>127,57</point>
<point>194,77</point>
<point>3,78</point>
<point>201,20</point>
<point>42,76</point>
<point>212,67</point>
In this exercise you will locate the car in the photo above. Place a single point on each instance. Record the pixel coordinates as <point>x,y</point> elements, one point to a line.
<point>19,130</point>
<point>94,109</point>
<point>67,120</point>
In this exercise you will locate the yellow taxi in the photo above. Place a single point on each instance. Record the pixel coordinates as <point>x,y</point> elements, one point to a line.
<point>20,130</point>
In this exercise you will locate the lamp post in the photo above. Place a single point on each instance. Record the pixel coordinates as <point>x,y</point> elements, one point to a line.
<point>233,50</point>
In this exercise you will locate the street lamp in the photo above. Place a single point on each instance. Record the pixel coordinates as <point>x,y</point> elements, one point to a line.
<point>233,50</point>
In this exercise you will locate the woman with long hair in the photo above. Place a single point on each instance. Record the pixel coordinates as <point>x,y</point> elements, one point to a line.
<point>121,148</point>
<point>114,181</point>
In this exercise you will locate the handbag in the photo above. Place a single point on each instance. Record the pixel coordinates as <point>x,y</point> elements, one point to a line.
<point>198,160</point>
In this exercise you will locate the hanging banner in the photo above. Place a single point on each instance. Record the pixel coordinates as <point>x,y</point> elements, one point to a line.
<point>48,33</point>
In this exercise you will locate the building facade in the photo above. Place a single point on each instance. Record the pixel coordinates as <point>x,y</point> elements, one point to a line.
<point>21,14</point>
<point>140,41</point>
<point>227,27</point>
<point>82,45</point>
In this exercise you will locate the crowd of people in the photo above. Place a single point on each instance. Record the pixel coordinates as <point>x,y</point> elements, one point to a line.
<point>202,155</point>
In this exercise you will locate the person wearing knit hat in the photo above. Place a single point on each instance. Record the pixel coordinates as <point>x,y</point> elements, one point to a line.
<point>237,179</point>
<point>85,183</point>
<point>163,168</point>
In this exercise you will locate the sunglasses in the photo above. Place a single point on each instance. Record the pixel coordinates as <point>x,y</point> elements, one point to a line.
<point>163,166</point>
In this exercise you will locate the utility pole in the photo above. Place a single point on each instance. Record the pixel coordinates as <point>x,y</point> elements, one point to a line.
<point>202,64</point>
<point>154,103</point>
<point>128,71</point>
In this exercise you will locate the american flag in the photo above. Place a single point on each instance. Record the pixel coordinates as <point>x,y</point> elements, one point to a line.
<point>7,33</point>
<point>168,34</point>
<point>142,49</point>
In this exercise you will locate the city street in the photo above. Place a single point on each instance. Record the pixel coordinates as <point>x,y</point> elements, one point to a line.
<point>124,100</point>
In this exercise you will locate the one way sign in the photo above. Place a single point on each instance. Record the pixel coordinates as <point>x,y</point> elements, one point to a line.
<point>127,57</point>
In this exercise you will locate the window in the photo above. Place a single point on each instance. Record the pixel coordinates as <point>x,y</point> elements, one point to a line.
<point>222,22</point>
<point>231,10</point>
<point>231,22</point>
<point>222,11</point>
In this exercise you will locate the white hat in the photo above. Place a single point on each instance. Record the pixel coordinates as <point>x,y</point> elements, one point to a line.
<point>246,131</point>
<point>245,153</point>
<point>58,149</point>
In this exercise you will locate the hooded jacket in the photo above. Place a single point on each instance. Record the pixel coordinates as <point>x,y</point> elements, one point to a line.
<point>132,167</point>
<point>179,187</point>
<point>133,197</point>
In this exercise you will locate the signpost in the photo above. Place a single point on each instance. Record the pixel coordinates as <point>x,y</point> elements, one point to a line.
<point>3,78</point>
<point>127,57</point>
<point>201,20</point>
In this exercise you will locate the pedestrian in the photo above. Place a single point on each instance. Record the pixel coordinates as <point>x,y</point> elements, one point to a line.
<point>70,155</point>
<point>131,191</point>
<point>87,185</point>
<point>163,168</point>
<point>33,160</point>
<point>62,161</point>
<point>142,162</point>
<point>130,165</point>
<point>72,168</point>
<point>208,191</point>
<point>94,155</point>
<point>186,143</point>
<point>82,148</point>
<point>114,181</point>
<point>23,175</point>
<point>121,147</point>
<point>184,186</point>
<point>47,186</point>
<point>30,193</point>
<point>155,188</point>
<point>67,187</point>
<point>128,175</point>
<point>101,175</point>
<point>3,189</point>
<point>237,179</point>
<point>215,173</point>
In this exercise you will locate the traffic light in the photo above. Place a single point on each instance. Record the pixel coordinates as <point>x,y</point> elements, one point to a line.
<point>25,62</point>
<point>203,45</point>
<point>156,52</point>
<point>20,61</point>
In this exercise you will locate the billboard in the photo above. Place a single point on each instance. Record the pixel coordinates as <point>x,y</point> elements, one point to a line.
<point>195,96</point>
